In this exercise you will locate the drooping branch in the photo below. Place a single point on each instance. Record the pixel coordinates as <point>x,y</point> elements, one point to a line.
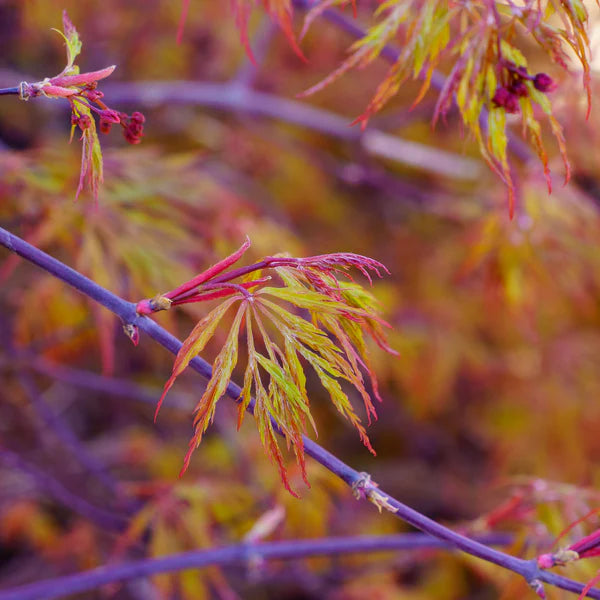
<point>237,554</point>
<point>360,483</point>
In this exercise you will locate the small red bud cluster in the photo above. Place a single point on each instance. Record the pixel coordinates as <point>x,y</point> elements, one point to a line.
<point>89,96</point>
<point>544,83</point>
<point>82,121</point>
<point>507,95</point>
<point>133,125</point>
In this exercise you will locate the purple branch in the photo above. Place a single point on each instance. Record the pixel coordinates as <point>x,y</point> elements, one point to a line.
<point>238,98</point>
<point>101,517</point>
<point>360,482</point>
<point>11,91</point>
<point>238,554</point>
<point>56,424</point>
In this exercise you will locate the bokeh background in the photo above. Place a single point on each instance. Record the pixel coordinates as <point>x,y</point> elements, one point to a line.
<point>491,413</point>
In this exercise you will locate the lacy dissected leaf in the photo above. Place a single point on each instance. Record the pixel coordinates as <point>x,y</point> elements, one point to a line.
<point>312,319</point>
<point>195,343</point>
<point>488,72</point>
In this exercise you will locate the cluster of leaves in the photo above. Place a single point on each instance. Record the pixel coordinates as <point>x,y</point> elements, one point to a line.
<point>330,337</point>
<point>489,76</point>
<point>479,41</point>
<point>85,100</point>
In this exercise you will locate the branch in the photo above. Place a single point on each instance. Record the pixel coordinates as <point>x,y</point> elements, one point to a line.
<point>391,54</point>
<point>11,91</point>
<point>54,423</point>
<point>239,98</point>
<point>238,554</point>
<point>359,482</point>
<point>101,517</point>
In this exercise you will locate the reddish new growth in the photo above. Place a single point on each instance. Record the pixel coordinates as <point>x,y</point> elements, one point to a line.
<point>80,90</point>
<point>82,94</point>
<point>586,547</point>
<point>514,86</point>
<point>328,336</point>
<point>213,283</point>
<point>133,126</point>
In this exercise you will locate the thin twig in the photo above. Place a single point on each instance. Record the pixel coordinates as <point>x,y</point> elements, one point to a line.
<point>11,91</point>
<point>101,517</point>
<point>237,554</point>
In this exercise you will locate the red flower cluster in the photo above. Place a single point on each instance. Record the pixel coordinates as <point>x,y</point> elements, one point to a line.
<point>133,125</point>
<point>507,95</point>
<point>90,98</point>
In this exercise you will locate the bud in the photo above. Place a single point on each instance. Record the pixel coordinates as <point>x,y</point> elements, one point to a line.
<point>544,83</point>
<point>85,122</point>
<point>93,95</point>
<point>131,136</point>
<point>519,88</point>
<point>506,99</point>
<point>133,126</point>
<point>109,115</point>
<point>104,125</point>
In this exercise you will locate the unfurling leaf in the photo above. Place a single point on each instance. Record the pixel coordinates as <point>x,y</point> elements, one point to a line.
<point>281,343</point>
<point>80,90</point>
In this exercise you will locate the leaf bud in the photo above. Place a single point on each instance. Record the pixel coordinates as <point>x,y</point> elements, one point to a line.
<point>85,122</point>
<point>544,83</point>
<point>506,99</point>
<point>519,88</point>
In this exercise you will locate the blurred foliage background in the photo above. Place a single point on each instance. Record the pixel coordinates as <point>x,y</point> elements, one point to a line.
<point>493,401</point>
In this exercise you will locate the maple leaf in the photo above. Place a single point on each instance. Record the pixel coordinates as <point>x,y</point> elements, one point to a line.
<point>310,319</point>
<point>80,90</point>
<point>489,73</point>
